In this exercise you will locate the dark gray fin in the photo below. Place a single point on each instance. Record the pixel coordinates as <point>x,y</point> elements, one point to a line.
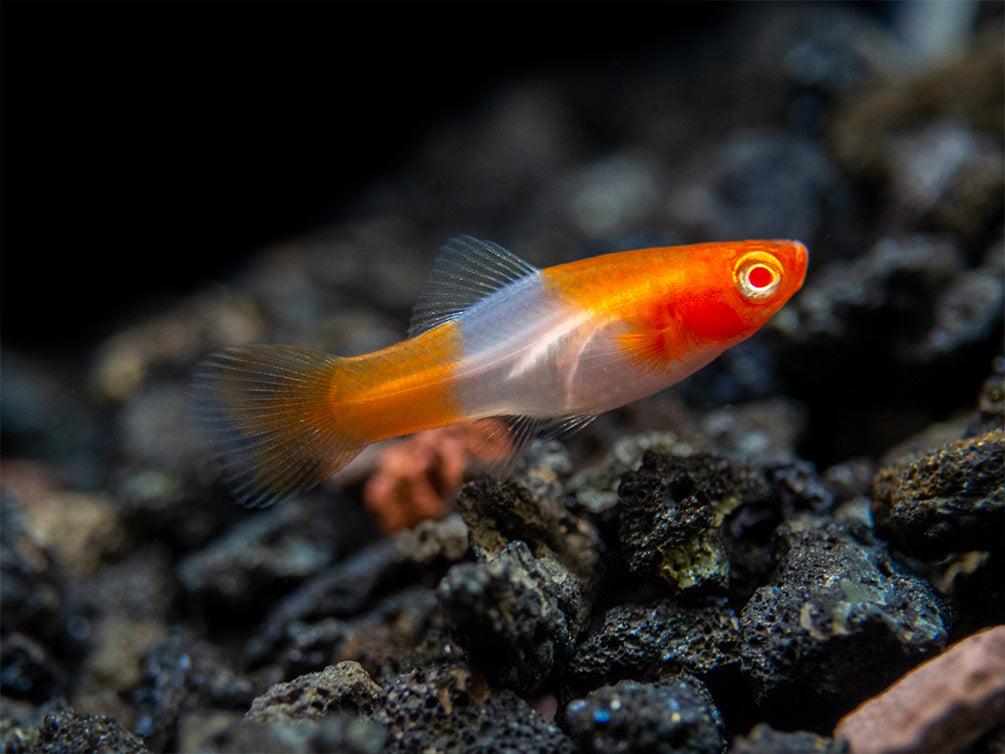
<point>466,271</point>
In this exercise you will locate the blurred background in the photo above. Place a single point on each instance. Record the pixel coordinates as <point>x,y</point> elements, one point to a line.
<point>150,146</point>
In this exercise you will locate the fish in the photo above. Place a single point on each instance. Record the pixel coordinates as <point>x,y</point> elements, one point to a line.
<point>538,352</point>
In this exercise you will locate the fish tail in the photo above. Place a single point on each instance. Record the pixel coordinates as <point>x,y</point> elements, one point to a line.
<point>268,416</point>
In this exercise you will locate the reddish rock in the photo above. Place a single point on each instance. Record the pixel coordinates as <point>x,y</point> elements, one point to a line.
<point>943,705</point>
<point>418,476</point>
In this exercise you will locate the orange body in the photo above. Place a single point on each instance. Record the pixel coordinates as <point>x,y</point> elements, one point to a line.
<point>493,337</point>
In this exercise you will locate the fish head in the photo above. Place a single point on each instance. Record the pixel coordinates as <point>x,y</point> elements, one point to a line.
<point>740,287</point>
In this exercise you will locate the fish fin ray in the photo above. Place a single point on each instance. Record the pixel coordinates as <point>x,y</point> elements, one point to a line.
<point>507,438</point>
<point>563,427</point>
<point>466,271</point>
<point>265,412</point>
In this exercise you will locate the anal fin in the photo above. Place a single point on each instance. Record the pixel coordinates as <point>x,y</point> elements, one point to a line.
<point>505,439</point>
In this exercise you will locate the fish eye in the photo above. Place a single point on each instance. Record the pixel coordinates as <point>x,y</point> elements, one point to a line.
<point>757,276</point>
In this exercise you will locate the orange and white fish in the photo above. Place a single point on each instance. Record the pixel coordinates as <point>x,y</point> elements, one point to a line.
<point>492,336</point>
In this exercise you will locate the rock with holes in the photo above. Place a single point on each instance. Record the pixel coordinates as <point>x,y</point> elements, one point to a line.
<point>643,642</point>
<point>346,687</point>
<point>517,616</point>
<point>452,709</point>
<point>64,730</point>
<point>839,623</point>
<point>952,499</point>
<point>178,676</point>
<point>671,515</point>
<point>676,714</point>
<point>497,512</point>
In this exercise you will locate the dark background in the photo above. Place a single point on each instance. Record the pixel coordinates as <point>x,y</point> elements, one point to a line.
<point>147,147</point>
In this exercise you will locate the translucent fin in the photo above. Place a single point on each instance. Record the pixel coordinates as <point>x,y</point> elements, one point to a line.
<point>466,271</point>
<point>507,438</point>
<point>267,414</point>
<point>563,426</point>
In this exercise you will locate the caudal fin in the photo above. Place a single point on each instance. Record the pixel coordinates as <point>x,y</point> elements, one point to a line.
<point>266,412</point>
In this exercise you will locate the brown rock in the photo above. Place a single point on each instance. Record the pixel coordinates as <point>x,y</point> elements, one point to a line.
<point>943,705</point>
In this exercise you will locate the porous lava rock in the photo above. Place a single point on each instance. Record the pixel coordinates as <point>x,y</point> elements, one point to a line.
<point>517,616</point>
<point>838,623</point>
<point>950,500</point>
<point>671,514</point>
<point>672,716</point>
<point>645,642</point>
<point>345,686</point>
<point>452,709</point>
<point>499,511</point>
<point>67,732</point>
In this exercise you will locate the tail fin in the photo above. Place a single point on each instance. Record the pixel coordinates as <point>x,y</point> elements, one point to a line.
<point>267,413</point>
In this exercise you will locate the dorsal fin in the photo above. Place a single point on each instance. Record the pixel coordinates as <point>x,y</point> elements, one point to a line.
<point>466,271</point>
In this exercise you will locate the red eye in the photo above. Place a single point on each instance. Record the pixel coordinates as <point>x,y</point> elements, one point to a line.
<point>760,276</point>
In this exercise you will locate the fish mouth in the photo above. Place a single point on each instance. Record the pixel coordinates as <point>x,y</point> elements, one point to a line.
<point>802,253</point>
<point>802,260</point>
